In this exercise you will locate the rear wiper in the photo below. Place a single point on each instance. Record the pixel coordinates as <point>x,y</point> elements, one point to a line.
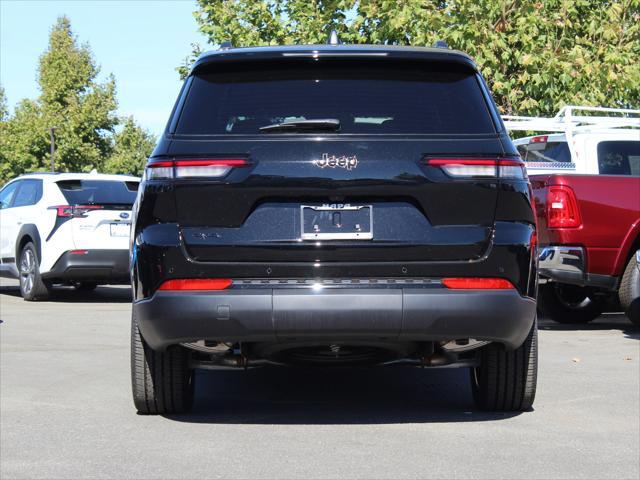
<point>314,125</point>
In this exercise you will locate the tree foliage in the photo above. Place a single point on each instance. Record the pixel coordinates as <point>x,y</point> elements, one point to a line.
<point>4,110</point>
<point>82,110</point>
<point>132,147</point>
<point>536,56</point>
<point>4,113</point>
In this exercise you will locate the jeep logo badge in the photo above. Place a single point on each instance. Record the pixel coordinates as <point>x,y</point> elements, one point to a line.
<point>332,161</point>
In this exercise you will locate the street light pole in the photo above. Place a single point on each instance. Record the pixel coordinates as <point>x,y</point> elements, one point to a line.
<point>53,148</point>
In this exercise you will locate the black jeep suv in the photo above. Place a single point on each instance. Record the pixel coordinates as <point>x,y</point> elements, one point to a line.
<point>334,205</point>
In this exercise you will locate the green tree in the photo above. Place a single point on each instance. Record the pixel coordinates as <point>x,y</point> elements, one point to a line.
<point>73,101</point>
<point>24,141</point>
<point>536,56</point>
<point>83,110</point>
<point>4,113</point>
<point>132,147</point>
<point>4,109</point>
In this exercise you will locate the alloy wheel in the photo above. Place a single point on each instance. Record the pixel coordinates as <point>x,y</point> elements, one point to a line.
<point>27,270</point>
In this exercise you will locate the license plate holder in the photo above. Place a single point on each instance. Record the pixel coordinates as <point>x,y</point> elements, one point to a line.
<point>119,229</point>
<point>336,222</point>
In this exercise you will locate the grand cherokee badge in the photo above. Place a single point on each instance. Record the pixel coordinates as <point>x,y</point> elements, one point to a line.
<point>332,161</point>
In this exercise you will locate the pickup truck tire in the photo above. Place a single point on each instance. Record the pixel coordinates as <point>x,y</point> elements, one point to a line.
<point>32,287</point>
<point>162,381</point>
<point>629,292</point>
<point>568,304</point>
<point>506,380</point>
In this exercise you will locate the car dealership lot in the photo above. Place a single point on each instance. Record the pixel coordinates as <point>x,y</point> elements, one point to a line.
<point>66,409</point>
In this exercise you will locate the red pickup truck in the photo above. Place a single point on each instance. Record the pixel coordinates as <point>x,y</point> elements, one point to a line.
<point>589,240</point>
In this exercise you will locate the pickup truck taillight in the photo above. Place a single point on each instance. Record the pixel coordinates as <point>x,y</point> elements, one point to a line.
<point>480,167</point>
<point>193,168</point>
<point>562,208</point>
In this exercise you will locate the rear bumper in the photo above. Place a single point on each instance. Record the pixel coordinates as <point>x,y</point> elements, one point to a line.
<point>567,264</point>
<point>106,266</point>
<point>340,314</point>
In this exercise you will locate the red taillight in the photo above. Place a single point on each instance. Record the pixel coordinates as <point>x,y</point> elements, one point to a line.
<point>477,283</point>
<point>74,211</point>
<point>193,168</point>
<point>78,252</point>
<point>539,139</point>
<point>480,167</point>
<point>196,284</point>
<point>562,208</point>
<point>226,162</point>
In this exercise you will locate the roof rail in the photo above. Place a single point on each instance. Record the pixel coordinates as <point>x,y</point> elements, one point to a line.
<point>39,173</point>
<point>226,45</point>
<point>440,44</point>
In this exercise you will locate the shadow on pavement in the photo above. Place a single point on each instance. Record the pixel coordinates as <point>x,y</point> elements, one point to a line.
<point>607,321</point>
<point>111,294</point>
<point>326,396</point>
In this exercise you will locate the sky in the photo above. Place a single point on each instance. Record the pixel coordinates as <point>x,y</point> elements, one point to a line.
<point>140,41</point>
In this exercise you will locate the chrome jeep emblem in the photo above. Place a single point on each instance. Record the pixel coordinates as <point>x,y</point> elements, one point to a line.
<point>332,161</point>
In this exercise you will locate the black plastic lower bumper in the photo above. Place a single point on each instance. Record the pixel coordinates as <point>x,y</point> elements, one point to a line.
<point>341,314</point>
<point>103,266</point>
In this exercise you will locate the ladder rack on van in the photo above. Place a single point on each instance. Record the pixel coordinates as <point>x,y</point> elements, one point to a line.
<point>570,120</point>
<point>573,119</point>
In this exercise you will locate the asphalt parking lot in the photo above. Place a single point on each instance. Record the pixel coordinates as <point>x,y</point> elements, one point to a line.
<point>66,409</point>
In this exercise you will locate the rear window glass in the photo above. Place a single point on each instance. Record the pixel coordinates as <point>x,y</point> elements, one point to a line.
<point>98,192</point>
<point>545,152</point>
<point>619,158</point>
<point>366,98</point>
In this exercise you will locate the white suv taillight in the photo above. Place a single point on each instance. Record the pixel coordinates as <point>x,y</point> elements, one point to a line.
<point>480,167</point>
<point>74,211</point>
<point>193,168</point>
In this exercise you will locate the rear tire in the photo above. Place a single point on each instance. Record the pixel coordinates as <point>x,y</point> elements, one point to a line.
<point>629,292</point>
<point>569,304</point>
<point>506,380</point>
<point>162,382</point>
<point>32,287</point>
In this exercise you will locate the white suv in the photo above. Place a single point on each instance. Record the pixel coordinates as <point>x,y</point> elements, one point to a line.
<point>66,228</point>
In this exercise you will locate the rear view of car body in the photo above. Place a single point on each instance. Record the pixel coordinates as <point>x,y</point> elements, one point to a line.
<point>432,191</point>
<point>586,187</point>
<point>589,239</point>
<point>95,217</point>
<point>315,205</point>
<point>78,225</point>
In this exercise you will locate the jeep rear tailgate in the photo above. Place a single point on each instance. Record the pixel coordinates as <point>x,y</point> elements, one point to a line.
<point>393,119</point>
